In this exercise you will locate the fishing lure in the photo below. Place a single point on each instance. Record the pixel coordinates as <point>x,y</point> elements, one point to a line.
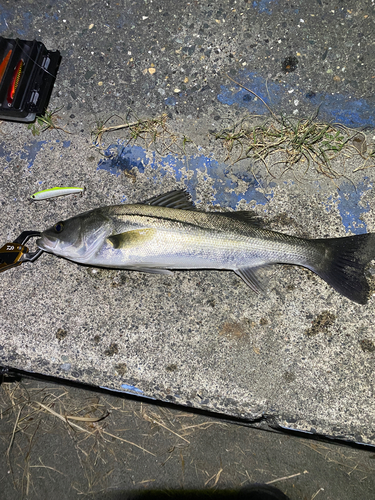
<point>4,64</point>
<point>15,81</point>
<point>55,192</point>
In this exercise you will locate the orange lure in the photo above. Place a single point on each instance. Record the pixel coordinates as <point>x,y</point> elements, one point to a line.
<point>15,81</point>
<point>4,64</point>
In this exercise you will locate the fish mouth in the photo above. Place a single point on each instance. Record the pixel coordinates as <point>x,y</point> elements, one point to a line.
<point>47,243</point>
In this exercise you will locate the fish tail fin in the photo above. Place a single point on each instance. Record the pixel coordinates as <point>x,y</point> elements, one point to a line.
<point>343,264</point>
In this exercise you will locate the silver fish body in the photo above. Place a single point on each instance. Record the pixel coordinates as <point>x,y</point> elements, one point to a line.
<point>158,236</point>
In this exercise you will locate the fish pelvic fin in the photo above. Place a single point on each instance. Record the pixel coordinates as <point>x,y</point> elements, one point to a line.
<point>343,264</point>
<point>249,275</point>
<point>131,238</point>
<point>150,270</point>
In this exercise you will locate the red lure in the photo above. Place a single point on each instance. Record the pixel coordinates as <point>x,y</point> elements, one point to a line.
<point>4,64</point>
<point>15,81</point>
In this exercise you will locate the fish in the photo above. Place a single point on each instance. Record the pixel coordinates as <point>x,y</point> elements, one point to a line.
<point>167,233</point>
<point>56,191</point>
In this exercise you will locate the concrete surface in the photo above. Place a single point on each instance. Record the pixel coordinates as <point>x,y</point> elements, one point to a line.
<point>301,357</point>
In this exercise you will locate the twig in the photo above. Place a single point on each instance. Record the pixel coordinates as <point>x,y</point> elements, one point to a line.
<point>153,421</point>
<point>42,466</point>
<point>217,475</point>
<point>286,477</point>
<point>319,490</point>
<point>86,419</point>
<point>14,431</point>
<point>204,425</point>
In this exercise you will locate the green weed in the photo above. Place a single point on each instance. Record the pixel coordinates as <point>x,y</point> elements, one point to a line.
<point>46,122</point>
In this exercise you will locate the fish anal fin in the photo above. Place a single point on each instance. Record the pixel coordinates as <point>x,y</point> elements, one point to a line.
<point>179,198</point>
<point>249,275</point>
<point>131,238</point>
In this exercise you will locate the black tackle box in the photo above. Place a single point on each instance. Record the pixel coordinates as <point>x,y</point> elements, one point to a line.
<point>27,74</point>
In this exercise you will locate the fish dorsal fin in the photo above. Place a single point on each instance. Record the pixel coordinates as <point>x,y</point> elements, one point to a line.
<point>245,216</point>
<point>131,238</point>
<point>179,198</point>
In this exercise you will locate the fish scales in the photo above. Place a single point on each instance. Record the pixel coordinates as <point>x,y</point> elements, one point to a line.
<point>211,235</point>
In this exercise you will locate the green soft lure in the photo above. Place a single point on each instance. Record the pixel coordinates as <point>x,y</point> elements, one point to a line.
<point>56,191</point>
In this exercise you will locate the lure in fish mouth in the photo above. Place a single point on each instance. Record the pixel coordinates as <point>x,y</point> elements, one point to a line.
<point>166,233</point>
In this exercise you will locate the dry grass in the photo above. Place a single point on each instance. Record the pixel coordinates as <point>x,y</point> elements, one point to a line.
<point>90,424</point>
<point>37,412</point>
<point>151,133</point>
<point>348,461</point>
<point>297,142</point>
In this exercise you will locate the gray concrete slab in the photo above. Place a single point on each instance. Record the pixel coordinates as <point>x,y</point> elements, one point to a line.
<point>302,356</point>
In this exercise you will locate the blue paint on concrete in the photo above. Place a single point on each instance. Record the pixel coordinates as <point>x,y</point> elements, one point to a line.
<point>340,108</point>
<point>131,388</point>
<point>170,101</point>
<point>5,154</point>
<point>245,99</point>
<point>66,144</point>
<point>351,207</point>
<point>30,152</point>
<point>188,170</point>
<point>27,19</point>
<point>348,202</point>
<point>6,17</point>
<point>125,19</point>
<point>264,5</point>
<point>126,391</point>
<point>191,170</point>
<point>119,158</point>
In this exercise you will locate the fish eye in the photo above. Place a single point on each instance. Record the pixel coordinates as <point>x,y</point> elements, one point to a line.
<point>58,227</point>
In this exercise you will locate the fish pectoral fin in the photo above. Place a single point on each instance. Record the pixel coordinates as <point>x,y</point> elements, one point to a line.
<point>249,275</point>
<point>151,270</point>
<point>131,238</point>
<point>179,198</point>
